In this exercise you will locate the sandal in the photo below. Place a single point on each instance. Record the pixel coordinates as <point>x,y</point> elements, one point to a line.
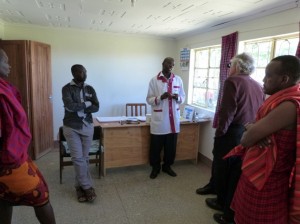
<point>80,194</point>
<point>90,194</point>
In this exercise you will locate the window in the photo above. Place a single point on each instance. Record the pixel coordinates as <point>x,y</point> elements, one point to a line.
<point>205,78</point>
<point>205,66</point>
<point>265,49</point>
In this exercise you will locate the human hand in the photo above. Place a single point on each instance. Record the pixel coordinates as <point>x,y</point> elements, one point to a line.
<point>165,95</point>
<point>248,126</point>
<point>175,96</point>
<point>265,142</point>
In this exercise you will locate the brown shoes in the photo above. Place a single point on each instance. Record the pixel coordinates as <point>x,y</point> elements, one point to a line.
<point>85,195</point>
<point>80,194</point>
<point>90,194</point>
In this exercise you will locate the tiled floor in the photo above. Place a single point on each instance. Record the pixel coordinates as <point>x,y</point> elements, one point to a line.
<point>126,196</point>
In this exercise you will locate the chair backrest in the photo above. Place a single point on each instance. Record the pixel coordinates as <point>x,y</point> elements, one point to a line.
<point>136,109</point>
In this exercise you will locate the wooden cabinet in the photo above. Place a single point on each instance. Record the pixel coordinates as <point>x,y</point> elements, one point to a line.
<point>30,72</point>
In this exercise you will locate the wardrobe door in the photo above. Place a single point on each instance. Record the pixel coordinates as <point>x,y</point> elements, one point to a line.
<point>41,98</point>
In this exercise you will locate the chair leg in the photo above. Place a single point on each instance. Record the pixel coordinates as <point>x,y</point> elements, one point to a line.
<point>60,170</point>
<point>60,176</point>
<point>98,157</point>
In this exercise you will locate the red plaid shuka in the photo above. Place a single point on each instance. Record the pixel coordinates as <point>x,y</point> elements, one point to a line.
<point>258,163</point>
<point>15,133</point>
<point>21,183</point>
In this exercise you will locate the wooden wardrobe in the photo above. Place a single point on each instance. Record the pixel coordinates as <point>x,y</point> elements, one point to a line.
<point>30,72</point>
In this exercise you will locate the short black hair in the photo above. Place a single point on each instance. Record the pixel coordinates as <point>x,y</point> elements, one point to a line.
<point>76,67</point>
<point>290,65</point>
<point>168,59</point>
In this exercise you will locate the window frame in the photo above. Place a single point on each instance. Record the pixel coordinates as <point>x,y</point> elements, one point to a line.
<point>241,49</point>
<point>192,74</point>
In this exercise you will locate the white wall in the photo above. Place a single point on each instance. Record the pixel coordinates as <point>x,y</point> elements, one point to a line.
<point>1,30</point>
<point>276,24</point>
<point>119,67</point>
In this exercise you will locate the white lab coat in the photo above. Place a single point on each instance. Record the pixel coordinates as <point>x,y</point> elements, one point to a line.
<point>165,114</point>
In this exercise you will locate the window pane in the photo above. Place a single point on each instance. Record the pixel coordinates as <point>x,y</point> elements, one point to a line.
<point>264,53</point>
<point>261,52</point>
<point>264,50</point>
<point>215,57</point>
<point>213,81</point>
<point>214,98</point>
<point>287,46</point>
<point>259,75</point>
<point>199,97</point>
<point>201,59</point>
<point>206,77</point>
<point>200,78</point>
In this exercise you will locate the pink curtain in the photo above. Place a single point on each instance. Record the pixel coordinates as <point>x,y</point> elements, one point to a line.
<point>229,48</point>
<point>298,49</point>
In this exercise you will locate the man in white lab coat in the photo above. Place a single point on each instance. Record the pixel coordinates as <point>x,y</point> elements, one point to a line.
<point>165,94</point>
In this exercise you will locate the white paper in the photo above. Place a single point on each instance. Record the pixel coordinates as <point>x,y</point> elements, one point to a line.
<point>119,118</point>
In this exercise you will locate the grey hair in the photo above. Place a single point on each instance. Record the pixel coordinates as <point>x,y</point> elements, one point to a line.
<point>2,53</point>
<point>245,62</point>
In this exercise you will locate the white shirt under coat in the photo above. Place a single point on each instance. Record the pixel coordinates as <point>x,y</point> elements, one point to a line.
<point>165,114</point>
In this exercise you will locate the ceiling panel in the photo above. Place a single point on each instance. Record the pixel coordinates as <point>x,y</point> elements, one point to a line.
<point>168,18</point>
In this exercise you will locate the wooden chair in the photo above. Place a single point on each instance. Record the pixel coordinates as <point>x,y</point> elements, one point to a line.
<point>136,109</point>
<point>96,150</point>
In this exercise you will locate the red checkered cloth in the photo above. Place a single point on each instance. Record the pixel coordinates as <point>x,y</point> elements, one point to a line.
<point>258,163</point>
<point>15,133</point>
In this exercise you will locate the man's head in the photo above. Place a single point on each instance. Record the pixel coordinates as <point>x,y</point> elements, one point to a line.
<point>167,65</point>
<point>4,66</point>
<point>241,64</point>
<point>79,73</point>
<point>282,72</point>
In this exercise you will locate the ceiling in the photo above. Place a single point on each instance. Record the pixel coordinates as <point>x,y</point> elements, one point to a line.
<point>166,18</point>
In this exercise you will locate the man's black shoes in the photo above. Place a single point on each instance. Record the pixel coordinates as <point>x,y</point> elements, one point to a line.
<point>169,171</point>
<point>214,204</point>
<point>220,218</point>
<point>207,189</point>
<point>154,173</point>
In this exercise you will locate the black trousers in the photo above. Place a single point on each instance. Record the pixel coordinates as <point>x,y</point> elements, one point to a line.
<point>166,142</point>
<point>226,173</point>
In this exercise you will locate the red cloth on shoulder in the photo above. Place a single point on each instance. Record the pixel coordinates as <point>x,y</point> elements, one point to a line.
<point>15,133</point>
<point>258,162</point>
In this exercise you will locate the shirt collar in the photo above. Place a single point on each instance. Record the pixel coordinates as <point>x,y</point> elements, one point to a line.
<point>72,83</point>
<point>161,77</point>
